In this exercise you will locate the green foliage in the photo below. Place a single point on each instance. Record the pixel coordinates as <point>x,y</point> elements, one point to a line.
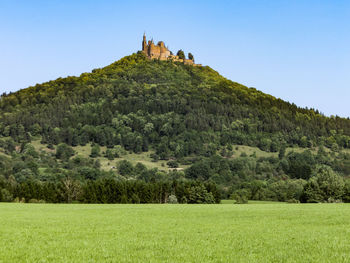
<point>8,145</point>
<point>154,157</point>
<point>324,186</point>
<point>125,168</point>
<point>172,199</point>
<point>300,165</point>
<point>199,170</point>
<point>173,164</point>
<point>6,196</point>
<point>198,194</point>
<point>282,152</point>
<point>110,154</point>
<point>64,151</point>
<point>346,196</point>
<point>181,54</point>
<point>95,151</point>
<point>287,190</point>
<point>240,196</point>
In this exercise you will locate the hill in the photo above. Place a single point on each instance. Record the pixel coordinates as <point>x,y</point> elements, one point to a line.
<point>172,98</point>
<point>182,115</point>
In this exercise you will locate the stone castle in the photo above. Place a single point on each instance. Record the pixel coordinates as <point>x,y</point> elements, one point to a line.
<point>161,52</point>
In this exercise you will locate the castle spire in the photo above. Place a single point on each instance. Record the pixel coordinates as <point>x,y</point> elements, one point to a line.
<point>144,43</point>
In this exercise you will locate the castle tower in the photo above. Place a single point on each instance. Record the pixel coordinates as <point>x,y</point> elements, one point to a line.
<point>144,44</point>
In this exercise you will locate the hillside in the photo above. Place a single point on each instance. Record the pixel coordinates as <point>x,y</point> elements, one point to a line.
<point>155,115</point>
<point>172,98</point>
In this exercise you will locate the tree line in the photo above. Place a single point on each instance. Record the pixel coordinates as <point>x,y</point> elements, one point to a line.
<point>109,191</point>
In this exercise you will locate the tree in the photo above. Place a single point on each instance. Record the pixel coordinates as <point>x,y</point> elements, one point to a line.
<point>149,127</point>
<point>285,190</point>
<point>282,152</point>
<point>240,196</point>
<point>71,189</point>
<point>97,164</point>
<point>35,129</point>
<point>155,157</point>
<point>190,56</point>
<point>29,150</point>
<point>125,168</point>
<point>140,168</point>
<point>6,196</point>
<point>181,54</point>
<point>64,151</point>
<point>324,186</point>
<point>199,195</point>
<point>95,151</point>
<point>110,154</point>
<point>199,169</point>
<point>173,164</point>
<point>300,164</point>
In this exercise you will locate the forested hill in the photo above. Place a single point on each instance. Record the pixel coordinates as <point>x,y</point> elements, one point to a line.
<point>149,131</point>
<point>177,109</point>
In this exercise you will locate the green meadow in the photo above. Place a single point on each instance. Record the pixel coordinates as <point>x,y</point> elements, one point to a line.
<point>256,232</point>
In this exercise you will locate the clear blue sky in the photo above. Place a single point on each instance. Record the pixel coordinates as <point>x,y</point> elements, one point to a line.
<point>295,50</point>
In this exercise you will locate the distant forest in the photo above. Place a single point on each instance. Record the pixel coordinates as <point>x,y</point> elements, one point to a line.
<point>189,116</point>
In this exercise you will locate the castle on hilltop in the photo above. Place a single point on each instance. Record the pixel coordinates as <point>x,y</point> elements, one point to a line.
<point>161,52</point>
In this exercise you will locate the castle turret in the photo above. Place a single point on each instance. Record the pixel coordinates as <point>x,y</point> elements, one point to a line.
<point>144,44</point>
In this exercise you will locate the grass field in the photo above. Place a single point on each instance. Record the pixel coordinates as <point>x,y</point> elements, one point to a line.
<point>175,233</point>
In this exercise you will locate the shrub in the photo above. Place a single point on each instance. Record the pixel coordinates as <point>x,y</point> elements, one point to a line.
<point>332,200</point>
<point>6,196</point>
<point>240,196</point>
<point>181,54</point>
<point>173,164</point>
<point>172,199</point>
<point>154,157</point>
